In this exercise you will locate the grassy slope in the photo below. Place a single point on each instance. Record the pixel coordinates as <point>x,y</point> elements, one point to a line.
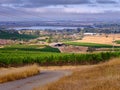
<point>100,77</point>
<point>89,44</point>
<point>14,35</point>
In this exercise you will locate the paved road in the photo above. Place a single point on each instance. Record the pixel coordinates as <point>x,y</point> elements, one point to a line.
<point>43,78</point>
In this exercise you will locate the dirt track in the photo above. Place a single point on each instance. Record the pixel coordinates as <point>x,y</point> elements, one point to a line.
<point>43,78</point>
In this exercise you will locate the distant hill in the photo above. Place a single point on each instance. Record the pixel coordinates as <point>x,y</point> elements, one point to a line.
<point>14,35</point>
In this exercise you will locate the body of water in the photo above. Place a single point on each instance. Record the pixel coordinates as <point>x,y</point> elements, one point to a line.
<point>44,28</point>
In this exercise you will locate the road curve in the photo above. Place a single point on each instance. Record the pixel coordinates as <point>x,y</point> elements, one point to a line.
<point>29,83</point>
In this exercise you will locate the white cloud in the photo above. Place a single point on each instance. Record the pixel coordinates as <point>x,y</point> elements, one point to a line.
<point>53,8</point>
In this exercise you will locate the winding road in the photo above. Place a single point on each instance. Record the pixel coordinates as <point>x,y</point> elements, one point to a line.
<point>29,83</point>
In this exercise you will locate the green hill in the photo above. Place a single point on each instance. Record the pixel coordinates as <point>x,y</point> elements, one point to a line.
<point>14,35</point>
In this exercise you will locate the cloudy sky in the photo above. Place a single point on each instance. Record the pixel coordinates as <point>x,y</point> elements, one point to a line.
<point>29,10</point>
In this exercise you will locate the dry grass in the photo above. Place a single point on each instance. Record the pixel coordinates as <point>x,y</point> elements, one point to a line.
<point>100,77</point>
<point>12,74</point>
<point>55,68</point>
<point>100,39</point>
<point>1,46</point>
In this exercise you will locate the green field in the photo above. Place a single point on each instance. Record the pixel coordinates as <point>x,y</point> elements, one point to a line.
<point>29,48</point>
<point>117,41</point>
<point>95,45</point>
<point>25,54</point>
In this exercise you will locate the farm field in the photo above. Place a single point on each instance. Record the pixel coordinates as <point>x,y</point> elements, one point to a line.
<point>45,55</point>
<point>29,48</point>
<point>103,39</point>
<point>86,44</point>
<point>105,76</point>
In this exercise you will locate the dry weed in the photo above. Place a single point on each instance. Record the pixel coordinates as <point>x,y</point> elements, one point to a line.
<point>100,77</point>
<point>18,73</point>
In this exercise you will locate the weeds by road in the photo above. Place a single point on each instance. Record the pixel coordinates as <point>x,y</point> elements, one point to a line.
<point>100,77</point>
<point>18,73</point>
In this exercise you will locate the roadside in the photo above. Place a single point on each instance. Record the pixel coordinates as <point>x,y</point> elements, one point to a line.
<point>105,76</point>
<point>12,74</point>
<point>41,79</point>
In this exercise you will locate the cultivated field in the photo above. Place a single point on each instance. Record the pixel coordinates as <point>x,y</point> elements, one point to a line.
<point>17,55</point>
<point>99,77</point>
<point>102,39</point>
<point>87,44</point>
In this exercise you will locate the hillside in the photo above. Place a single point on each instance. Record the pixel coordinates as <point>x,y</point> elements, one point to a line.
<point>105,76</point>
<point>14,35</point>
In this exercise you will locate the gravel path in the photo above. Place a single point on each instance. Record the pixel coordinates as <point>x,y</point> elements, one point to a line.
<point>29,83</point>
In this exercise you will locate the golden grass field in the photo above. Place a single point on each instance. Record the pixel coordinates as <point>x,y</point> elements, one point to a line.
<point>11,74</point>
<point>104,76</point>
<point>100,39</point>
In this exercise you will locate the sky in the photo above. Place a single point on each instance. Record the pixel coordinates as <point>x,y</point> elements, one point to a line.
<point>79,10</point>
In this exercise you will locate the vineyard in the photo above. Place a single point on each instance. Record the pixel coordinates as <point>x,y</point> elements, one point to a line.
<point>25,54</point>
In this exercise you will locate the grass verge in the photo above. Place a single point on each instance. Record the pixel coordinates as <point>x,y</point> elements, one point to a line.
<point>100,77</point>
<point>12,74</point>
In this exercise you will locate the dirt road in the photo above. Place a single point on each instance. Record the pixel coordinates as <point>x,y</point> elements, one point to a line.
<point>43,78</point>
